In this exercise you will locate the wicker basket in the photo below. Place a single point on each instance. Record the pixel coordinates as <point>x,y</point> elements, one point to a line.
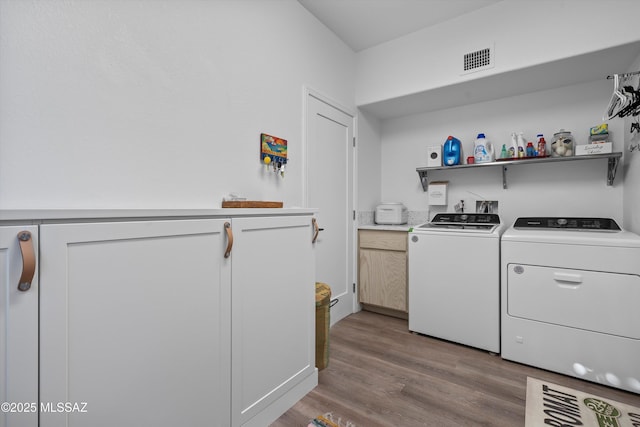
<point>323,301</point>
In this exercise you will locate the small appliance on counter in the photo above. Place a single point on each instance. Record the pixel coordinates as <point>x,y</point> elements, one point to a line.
<point>391,213</point>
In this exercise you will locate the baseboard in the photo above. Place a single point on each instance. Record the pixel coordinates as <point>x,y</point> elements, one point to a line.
<point>386,311</point>
<point>284,402</point>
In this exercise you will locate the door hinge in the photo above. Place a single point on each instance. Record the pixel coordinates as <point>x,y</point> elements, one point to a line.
<point>354,215</point>
<point>354,288</point>
<point>354,141</point>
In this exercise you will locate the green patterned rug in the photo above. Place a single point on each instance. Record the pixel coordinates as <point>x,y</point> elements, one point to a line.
<point>553,405</point>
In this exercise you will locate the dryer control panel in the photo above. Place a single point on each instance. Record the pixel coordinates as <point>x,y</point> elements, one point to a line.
<point>569,223</point>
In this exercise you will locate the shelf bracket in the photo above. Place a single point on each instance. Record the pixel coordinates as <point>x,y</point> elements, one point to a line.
<point>612,167</point>
<point>423,179</point>
<point>504,177</point>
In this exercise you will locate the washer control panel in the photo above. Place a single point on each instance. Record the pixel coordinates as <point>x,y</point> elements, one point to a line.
<point>462,218</point>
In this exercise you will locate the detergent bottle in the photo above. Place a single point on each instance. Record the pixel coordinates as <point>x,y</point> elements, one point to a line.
<point>452,151</point>
<point>530,151</point>
<point>483,150</point>
<point>521,145</point>
<point>504,154</point>
<point>541,150</point>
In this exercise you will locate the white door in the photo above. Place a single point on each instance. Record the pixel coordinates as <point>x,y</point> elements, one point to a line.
<point>18,331</point>
<point>329,148</point>
<point>273,317</point>
<point>133,322</point>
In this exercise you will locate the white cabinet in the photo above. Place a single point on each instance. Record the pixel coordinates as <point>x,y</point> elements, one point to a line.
<point>146,322</point>
<point>273,317</point>
<point>134,322</point>
<point>18,332</point>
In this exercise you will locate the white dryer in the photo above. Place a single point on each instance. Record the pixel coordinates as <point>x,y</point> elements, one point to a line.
<point>570,298</point>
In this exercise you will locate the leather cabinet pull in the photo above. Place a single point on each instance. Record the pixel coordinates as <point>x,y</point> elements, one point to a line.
<point>28,260</point>
<point>227,228</point>
<point>316,230</point>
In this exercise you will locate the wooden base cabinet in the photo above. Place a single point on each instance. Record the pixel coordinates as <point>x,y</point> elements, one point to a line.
<point>382,271</point>
<point>148,323</point>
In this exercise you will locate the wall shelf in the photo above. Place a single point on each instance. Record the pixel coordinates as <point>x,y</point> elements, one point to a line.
<point>612,166</point>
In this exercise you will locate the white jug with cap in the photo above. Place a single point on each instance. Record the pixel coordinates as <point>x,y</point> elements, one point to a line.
<point>483,150</point>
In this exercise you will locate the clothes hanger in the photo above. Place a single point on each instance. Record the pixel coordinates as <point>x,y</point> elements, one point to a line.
<point>617,102</point>
<point>633,95</point>
<point>633,101</point>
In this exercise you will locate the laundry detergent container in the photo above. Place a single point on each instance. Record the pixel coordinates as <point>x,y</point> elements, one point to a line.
<point>323,305</point>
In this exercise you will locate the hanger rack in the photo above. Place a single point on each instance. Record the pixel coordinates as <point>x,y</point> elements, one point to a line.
<point>633,73</point>
<point>625,100</point>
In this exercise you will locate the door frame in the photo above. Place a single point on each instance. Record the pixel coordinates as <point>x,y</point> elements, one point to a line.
<point>310,92</point>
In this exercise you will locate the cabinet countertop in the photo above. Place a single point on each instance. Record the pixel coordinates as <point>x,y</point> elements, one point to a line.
<point>399,227</point>
<point>103,214</point>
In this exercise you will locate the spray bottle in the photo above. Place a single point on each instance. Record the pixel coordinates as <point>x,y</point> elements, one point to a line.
<point>513,147</point>
<point>521,145</point>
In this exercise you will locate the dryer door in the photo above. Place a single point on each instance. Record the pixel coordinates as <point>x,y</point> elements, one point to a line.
<point>590,300</point>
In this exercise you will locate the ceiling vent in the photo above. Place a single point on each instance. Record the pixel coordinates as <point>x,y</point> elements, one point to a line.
<point>478,60</point>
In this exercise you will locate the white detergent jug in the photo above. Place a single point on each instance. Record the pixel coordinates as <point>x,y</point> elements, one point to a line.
<point>483,150</point>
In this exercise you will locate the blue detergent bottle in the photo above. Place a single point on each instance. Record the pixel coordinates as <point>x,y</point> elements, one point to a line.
<point>451,151</point>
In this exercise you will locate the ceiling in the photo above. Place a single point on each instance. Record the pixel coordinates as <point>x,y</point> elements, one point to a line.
<point>365,23</point>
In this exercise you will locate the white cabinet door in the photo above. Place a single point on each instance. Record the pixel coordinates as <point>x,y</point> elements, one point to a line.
<point>18,333</point>
<point>134,323</point>
<point>273,317</point>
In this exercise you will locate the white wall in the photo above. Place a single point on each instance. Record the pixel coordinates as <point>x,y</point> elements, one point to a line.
<point>369,162</point>
<point>144,103</point>
<point>560,189</point>
<point>526,33</point>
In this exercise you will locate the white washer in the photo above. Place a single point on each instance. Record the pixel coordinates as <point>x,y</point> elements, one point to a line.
<point>571,298</point>
<point>454,279</point>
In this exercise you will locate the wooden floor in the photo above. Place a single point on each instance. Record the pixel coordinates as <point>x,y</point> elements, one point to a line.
<point>380,374</point>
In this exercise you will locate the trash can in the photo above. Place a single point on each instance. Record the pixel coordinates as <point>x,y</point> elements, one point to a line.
<point>323,302</point>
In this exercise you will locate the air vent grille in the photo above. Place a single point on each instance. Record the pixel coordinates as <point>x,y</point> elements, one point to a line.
<point>477,60</point>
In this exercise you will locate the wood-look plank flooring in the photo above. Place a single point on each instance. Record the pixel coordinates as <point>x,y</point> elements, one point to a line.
<point>382,375</point>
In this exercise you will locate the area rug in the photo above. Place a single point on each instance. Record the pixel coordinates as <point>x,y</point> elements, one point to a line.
<point>553,405</point>
<point>330,420</point>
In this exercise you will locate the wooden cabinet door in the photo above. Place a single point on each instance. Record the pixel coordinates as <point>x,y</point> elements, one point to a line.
<point>273,317</point>
<point>18,333</point>
<point>134,323</point>
<point>383,278</point>
<point>382,273</point>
